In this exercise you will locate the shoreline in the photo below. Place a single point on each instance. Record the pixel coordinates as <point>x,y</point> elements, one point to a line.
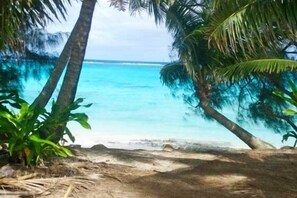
<point>153,144</point>
<point>158,145</point>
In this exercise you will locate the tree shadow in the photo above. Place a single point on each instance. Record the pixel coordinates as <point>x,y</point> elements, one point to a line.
<point>248,174</point>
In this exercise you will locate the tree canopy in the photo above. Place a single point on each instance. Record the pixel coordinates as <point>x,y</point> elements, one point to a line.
<point>18,16</point>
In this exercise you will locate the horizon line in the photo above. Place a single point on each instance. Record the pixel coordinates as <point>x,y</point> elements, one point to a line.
<point>125,61</point>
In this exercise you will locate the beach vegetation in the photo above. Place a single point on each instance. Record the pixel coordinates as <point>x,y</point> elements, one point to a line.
<point>37,125</point>
<point>71,58</point>
<point>34,61</point>
<point>37,45</point>
<point>210,65</point>
<point>204,89</point>
<point>209,56</point>
<point>19,16</point>
<point>244,26</point>
<point>241,27</point>
<point>189,22</point>
<point>28,131</point>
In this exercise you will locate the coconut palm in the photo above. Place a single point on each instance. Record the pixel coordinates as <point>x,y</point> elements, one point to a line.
<point>243,26</point>
<point>196,71</point>
<point>70,83</point>
<point>60,64</point>
<point>68,56</point>
<point>72,57</point>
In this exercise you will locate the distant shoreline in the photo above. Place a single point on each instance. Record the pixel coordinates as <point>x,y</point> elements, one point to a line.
<point>126,61</point>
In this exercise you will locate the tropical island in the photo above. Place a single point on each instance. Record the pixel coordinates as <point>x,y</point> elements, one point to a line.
<point>234,55</point>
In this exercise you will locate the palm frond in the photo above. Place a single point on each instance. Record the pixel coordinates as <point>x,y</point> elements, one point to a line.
<point>238,24</point>
<point>21,15</point>
<point>157,8</point>
<point>181,19</point>
<point>257,67</point>
<point>121,5</point>
<point>174,74</point>
<point>31,187</point>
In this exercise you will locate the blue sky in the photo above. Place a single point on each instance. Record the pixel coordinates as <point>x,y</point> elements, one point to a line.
<point>117,35</point>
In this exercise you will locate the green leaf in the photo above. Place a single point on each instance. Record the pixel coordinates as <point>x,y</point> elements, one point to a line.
<point>61,151</point>
<point>39,140</point>
<point>6,115</point>
<point>80,116</point>
<point>290,112</point>
<point>71,137</point>
<point>84,124</point>
<point>294,89</point>
<point>24,110</point>
<point>12,142</point>
<point>87,105</point>
<point>247,25</point>
<point>66,151</point>
<point>257,67</point>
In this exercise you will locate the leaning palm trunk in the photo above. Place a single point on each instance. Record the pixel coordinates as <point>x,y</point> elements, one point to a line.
<point>69,87</point>
<point>252,141</point>
<point>72,56</point>
<point>51,84</point>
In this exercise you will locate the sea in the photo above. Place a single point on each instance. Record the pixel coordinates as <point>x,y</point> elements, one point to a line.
<point>132,109</point>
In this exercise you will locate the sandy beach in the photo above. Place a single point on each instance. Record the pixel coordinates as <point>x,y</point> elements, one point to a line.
<point>178,173</point>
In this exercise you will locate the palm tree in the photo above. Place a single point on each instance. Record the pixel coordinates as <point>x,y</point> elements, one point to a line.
<point>73,53</point>
<point>199,61</point>
<point>70,83</point>
<point>81,31</point>
<point>74,50</point>
<point>72,57</point>
<point>60,64</point>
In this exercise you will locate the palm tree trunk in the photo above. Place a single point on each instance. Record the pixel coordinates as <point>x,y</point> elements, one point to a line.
<point>252,141</point>
<point>42,99</point>
<point>70,83</point>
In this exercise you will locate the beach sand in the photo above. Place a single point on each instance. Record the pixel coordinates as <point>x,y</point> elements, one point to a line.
<point>178,173</point>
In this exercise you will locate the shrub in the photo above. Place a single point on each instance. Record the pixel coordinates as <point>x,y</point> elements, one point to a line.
<point>30,131</point>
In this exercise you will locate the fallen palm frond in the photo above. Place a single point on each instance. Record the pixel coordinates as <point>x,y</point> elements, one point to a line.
<point>25,186</point>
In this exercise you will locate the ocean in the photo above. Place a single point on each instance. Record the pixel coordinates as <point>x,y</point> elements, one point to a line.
<point>133,109</point>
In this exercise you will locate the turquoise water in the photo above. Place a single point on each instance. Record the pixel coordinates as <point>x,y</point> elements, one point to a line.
<point>130,103</point>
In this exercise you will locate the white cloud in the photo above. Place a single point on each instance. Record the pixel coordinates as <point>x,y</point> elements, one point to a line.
<point>119,36</point>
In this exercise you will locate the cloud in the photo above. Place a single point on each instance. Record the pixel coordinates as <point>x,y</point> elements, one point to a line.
<point>119,36</point>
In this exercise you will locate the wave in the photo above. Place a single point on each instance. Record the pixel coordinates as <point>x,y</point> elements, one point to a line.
<point>143,64</point>
<point>130,63</point>
<point>94,62</point>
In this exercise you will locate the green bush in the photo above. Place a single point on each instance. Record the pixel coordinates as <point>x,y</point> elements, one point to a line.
<point>31,131</point>
<point>58,117</point>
